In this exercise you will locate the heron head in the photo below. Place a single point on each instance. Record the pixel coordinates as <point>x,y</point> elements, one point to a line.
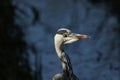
<point>65,36</point>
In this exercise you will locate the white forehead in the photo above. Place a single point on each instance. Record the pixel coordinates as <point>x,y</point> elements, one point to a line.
<point>65,29</point>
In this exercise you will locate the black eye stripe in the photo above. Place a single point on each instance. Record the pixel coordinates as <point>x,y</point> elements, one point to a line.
<point>61,32</point>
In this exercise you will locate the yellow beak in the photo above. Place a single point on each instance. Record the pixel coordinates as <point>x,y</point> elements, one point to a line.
<point>75,37</point>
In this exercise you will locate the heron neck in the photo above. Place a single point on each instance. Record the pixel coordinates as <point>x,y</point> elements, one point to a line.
<point>59,48</point>
<point>64,58</point>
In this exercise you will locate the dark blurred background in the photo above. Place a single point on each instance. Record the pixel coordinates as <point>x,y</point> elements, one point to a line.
<point>27,29</point>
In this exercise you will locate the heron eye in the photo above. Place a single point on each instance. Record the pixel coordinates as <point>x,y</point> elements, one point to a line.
<point>65,35</point>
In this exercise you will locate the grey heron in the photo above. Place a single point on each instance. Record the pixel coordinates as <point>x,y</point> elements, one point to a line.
<point>62,37</point>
